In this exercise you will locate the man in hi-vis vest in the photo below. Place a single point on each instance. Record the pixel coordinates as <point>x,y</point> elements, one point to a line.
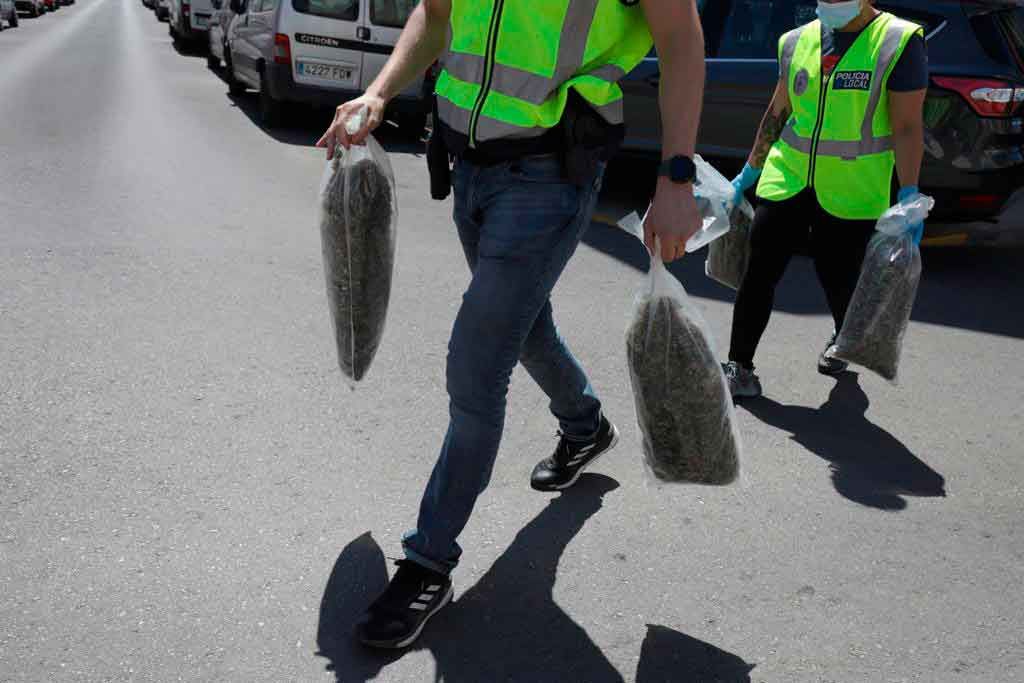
<point>530,108</point>
<point>847,112</point>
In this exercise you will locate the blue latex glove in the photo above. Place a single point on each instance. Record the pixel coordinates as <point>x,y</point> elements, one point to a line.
<point>917,229</point>
<point>743,182</point>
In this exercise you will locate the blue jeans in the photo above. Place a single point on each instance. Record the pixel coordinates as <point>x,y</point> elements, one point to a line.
<point>519,223</point>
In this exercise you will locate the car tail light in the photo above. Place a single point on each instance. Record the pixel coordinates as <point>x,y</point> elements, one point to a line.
<point>986,96</point>
<point>282,49</point>
<point>990,203</point>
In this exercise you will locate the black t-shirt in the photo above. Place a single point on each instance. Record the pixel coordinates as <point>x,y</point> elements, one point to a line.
<point>909,73</point>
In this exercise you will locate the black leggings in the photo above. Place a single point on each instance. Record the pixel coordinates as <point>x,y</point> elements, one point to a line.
<point>780,230</point>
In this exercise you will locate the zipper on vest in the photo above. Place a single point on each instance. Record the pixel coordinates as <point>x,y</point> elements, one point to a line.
<point>489,59</point>
<point>816,137</point>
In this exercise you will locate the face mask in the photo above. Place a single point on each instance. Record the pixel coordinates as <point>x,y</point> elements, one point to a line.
<point>835,15</point>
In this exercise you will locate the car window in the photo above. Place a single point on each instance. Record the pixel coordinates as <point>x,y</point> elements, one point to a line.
<point>393,13</point>
<point>753,27</point>
<point>1012,23</point>
<point>1001,34</point>
<point>346,10</point>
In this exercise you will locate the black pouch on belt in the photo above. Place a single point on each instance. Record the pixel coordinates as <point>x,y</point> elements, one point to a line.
<point>438,161</point>
<point>587,140</point>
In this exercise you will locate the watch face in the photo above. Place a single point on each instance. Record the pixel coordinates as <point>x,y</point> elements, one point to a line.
<point>682,170</point>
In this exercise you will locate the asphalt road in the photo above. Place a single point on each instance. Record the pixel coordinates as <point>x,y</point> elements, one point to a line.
<point>188,490</point>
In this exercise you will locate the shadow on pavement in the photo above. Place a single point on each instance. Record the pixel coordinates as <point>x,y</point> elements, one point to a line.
<point>191,48</point>
<point>961,287</point>
<point>669,655</point>
<point>303,125</point>
<point>508,626</point>
<point>869,465</point>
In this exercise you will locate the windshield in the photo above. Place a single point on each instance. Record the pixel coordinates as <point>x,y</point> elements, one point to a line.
<point>1001,34</point>
<point>1011,23</point>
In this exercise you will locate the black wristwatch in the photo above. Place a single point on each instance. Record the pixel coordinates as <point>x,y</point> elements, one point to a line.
<point>678,169</point>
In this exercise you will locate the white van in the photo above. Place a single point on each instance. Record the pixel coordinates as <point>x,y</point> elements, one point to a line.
<point>318,52</point>
<point>189,19</point>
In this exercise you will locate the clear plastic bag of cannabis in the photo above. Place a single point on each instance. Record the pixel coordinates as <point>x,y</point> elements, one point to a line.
<point>683,407</point>
<point>729,255</point>
<point>714,194</point>
<point>358,218</point>
<point>879,312</point>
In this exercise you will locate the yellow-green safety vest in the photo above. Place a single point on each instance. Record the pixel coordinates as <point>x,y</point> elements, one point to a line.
<point>510,63</point>
<point>838,139</point>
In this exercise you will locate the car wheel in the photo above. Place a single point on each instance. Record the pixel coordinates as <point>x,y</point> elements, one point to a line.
<point>235,86</point>
<point>172,32</point>
<point>14,19</point>
<point>271,110</point>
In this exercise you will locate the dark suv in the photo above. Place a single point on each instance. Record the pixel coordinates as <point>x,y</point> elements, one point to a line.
<point>974,130</point>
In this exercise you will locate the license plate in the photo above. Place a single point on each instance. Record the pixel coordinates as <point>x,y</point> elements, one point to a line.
<point>328,71</point>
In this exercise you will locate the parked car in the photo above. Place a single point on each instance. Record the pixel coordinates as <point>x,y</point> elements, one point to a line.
<point>162,9</point>
<point>189,19</point>
<point>32,8</point>
<point>974,113</point>
<point>217,36</point>
<point>8,13</point>
<point>318,52</point>
<point>149,4</point>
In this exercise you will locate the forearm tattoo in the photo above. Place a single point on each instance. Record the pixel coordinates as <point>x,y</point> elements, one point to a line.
<point>770,131</point>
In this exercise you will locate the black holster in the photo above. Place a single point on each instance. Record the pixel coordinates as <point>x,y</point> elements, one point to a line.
<point>587,140</point>
<point>439,163</point>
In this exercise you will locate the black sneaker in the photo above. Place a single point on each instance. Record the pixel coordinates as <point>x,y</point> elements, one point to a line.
<point>571,458</point>
<point>397,617</point>
<point>827,364</point>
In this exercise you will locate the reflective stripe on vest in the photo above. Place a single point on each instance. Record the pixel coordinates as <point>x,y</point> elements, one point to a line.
<point>509,63</point>
<point>514,82</point>
<point>838,138</point>
<point>788,50</point>
<point>488,128</point>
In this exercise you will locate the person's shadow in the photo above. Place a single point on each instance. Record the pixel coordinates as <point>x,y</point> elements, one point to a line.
<point>869,465</point>
<point>508,627</point>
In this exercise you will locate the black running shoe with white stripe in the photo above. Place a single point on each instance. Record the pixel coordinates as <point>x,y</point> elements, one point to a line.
<point>398,616</point>
<point>571,458</point>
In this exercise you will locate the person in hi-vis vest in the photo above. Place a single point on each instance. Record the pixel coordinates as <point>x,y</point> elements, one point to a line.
<point>847,112</point>
<point>529,105</point>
